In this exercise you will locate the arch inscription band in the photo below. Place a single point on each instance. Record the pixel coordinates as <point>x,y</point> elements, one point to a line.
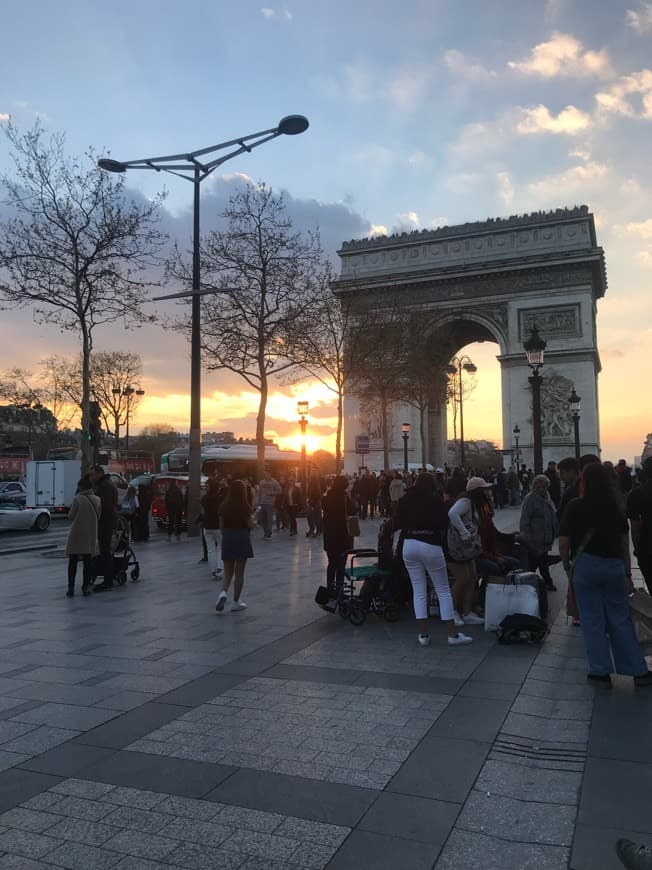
<point>491,281</point>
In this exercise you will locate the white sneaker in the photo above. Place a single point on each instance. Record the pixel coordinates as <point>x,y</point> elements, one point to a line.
<point>221,601</point>
<point>424,639</point>
<point>238,605</point>
<point>473,619</point>
<point>459,622</point>
<point>460,639</point>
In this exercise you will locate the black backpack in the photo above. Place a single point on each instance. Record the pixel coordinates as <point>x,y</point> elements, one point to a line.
<point>522,628</point>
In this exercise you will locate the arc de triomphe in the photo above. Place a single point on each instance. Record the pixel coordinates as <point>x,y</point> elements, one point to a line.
<point>490,281</point>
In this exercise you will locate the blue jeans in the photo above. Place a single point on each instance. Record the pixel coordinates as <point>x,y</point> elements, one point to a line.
<point>266,515</point>
<point>604,613</point>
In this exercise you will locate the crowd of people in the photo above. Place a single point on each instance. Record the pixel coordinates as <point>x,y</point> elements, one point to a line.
<point>448,539</point>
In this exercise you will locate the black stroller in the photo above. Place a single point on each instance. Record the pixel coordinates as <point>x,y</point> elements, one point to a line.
<point>122,556</point>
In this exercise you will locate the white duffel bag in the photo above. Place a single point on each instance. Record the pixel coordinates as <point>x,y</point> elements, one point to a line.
<point>504,599</point>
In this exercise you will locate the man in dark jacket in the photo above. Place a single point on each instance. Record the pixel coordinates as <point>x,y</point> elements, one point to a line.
<point>314,515</point>
<point>569,471</point>
<point>108,495</point>
<point>555,483</point>
<point>174,507</point>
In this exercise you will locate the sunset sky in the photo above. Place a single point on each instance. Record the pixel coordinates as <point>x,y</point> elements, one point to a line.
<point>422,113</point>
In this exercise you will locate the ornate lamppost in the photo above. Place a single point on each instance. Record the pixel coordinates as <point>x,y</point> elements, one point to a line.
<point>517,455</point>
<point>405,430</point>
<point>126,393</point>
<point>457,365</point>
<point>534,349</point>
<point>574,404</point>
<point>196,166</point>
<point>302,410</point>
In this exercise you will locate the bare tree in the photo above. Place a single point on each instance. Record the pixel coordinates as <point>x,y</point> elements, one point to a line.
<point>334,345</point>
<point>422,367</point>
<point>453,395</point>
<point>75,250</point>
<point>115,383</point>
<point>60,381</point>
<point>266,277</point>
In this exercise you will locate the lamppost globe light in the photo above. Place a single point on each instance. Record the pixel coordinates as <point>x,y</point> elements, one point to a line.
<point>451,369</point>
<point>534,349</point>
<point>302,408</point>
<point>405,428</point>
<point>470,367</point>
<point>574,401</point>
<point>292,125</point>
<point>516,431</point>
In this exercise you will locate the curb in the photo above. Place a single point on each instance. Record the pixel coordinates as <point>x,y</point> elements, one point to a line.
<point>33,549</point>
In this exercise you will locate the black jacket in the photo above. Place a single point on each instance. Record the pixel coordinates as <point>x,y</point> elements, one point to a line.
<point>337,506</point>
<point>422,516</point>
<point>108,495</point>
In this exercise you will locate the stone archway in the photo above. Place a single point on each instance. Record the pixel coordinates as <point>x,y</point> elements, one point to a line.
<point>492,280</point>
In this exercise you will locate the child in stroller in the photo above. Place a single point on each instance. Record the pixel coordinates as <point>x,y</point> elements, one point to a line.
<point>122,556</point>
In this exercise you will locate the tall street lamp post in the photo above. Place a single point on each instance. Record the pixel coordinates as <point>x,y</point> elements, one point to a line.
<point>127,393</point>
<point>534,349</point>
<point>190,167</point>
<point>457,365</point>
<point>302,410</point>
<point>405,430</point>
<point>517,456</point>
<point>574,404</point>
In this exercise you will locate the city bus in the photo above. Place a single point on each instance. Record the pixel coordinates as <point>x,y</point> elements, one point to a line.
<point>238,460</point>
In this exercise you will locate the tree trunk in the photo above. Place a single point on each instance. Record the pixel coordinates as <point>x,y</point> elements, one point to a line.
<point>338,436</point>
<point>260,427</point>
<point>422,433</point>
<point>87,452</point>
<point>385,431</point>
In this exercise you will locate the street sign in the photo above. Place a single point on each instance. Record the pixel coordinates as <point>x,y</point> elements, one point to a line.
<point>362,444</point>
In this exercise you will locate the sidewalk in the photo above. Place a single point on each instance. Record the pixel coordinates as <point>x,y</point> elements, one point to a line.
<point>139,729</point>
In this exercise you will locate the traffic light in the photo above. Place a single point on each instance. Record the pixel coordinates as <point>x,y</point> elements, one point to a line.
<point>94,424</point>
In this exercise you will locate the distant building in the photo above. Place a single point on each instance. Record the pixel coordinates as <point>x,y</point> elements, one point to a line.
<point>647,448</point>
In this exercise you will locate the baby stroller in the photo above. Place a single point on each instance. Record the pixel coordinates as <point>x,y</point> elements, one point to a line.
<point>370,586</point>
<point>122,556</point>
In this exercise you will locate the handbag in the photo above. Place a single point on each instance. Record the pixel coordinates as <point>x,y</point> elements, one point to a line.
<point>460,549</point>
<point>512,597</point>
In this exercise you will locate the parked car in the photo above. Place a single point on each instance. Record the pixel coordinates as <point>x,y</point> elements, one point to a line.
<point>14,517</point>
<point>12,490</point>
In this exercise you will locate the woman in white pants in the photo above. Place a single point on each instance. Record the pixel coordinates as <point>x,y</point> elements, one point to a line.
<point>422,516</point>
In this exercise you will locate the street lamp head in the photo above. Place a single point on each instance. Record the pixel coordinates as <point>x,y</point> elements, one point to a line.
<point>574,403</point>
<point>470,367</point>
<point>516,431</point>
<point>292,125</point>
<point>302,408</point>
<point>111,165</point>
<point>116,391</point>
<point>534,349</point>
<point>140,392</point>
<point>405,428</point>
<point>451,369</point>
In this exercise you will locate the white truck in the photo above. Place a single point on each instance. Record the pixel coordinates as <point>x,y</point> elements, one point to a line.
<point>52,484</point>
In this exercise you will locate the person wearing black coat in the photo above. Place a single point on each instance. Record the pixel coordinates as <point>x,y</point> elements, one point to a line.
<point>337,505</point>
<point>108,495</point>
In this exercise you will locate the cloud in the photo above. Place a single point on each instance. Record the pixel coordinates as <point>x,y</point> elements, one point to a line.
<point>4,117</point>
<point>407,221</point>
<point>408,87</point>
<point>375,157</point>
<point>465,67</point>
<point>378,230</point>
<point>580,153</point>
<point>641,228</point>
<point>640,21</point>
<point>563,55</point>
<point>645,259</point>
<point>269,13</point>
<point>540,120</point>
<point>618,98</point>
<point>505,187</point>
<point>564,186</point>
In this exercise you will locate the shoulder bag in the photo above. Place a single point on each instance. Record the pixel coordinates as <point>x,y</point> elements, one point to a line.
<point>352,522</point>
<point>463,549</point>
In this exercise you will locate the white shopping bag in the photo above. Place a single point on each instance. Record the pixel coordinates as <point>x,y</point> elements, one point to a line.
<point>504,599</point>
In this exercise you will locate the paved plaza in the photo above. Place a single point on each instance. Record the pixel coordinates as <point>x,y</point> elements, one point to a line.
<point>140,729</point>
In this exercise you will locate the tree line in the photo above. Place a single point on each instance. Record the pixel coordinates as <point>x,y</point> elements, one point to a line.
<point>80,253</point>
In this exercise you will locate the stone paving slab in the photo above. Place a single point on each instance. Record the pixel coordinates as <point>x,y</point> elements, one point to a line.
<point>85,824</point>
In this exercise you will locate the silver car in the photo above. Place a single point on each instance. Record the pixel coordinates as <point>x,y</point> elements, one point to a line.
<point>14,517</point>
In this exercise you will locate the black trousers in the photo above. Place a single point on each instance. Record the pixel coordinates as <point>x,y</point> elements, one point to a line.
<point>72,570</point>
<point>104,541</point>
<point>174,523</point>
<point>540,561</point>
<point>645,564</point>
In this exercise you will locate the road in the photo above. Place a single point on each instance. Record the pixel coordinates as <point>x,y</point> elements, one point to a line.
<point>55,535</point>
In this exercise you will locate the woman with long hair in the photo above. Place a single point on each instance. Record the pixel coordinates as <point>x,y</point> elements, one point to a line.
<point>464,516</point>
<point>423,517</point>
<point>337,505</point>
<point>591,546</point>
<point>236,523</point>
